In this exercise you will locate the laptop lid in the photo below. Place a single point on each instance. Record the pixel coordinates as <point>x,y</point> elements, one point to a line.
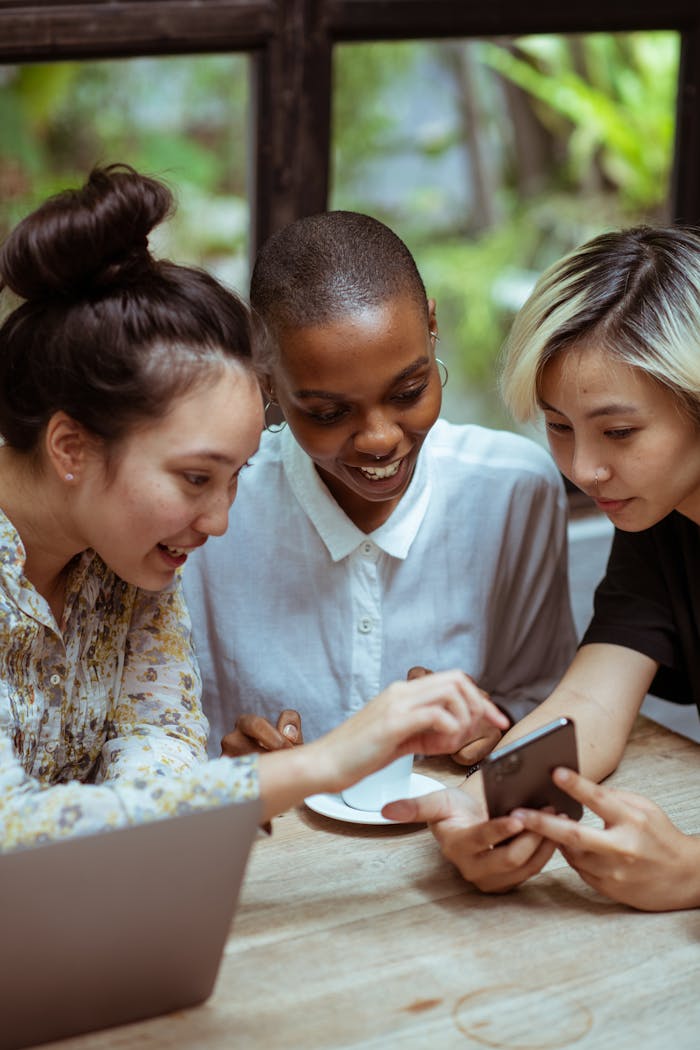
<point>105,929</point>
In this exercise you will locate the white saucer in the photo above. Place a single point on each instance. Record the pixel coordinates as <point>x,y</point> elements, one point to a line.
<point>333,805</point>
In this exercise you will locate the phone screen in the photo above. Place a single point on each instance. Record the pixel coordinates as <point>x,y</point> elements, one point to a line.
<point>520,774</point>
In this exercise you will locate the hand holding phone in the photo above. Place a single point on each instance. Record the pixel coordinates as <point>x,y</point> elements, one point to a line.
<point>520,774</point>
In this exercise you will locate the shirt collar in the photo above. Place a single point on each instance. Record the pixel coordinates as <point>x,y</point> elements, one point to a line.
<point>340,535</point>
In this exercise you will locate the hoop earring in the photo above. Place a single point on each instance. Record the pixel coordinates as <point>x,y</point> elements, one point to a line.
<point>443,380</point>
<point>434,336</point>
<point>274,428</point>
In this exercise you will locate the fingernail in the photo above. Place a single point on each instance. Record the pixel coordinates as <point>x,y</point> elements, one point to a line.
<point>562,774</point>
<point>290,731</point>
<point>396,810</point>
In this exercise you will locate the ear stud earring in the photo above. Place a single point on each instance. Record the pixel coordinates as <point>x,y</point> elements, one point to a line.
<point>69,477</point>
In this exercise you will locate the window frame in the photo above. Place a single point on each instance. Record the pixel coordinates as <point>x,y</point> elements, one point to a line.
<point>291,46</point>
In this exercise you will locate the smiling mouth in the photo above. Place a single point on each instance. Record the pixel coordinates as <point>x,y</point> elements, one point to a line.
<point>380,473</point>
<point>176,552</point>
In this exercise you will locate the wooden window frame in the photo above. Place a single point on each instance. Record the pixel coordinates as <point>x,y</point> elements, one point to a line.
<point>291,43</point>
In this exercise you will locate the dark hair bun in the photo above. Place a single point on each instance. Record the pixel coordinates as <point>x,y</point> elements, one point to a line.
<point>88,239</point>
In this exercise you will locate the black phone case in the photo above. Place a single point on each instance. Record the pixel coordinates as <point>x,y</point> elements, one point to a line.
<point>521,773</point>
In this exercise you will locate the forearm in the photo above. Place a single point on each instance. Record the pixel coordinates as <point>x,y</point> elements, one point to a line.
<point>685,891</point>
<point>601,692</point>
<point>288,776</point>
<point>31,812</point>
<point>599,750</point>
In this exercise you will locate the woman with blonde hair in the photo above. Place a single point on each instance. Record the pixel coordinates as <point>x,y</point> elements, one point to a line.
<point>607,349</point>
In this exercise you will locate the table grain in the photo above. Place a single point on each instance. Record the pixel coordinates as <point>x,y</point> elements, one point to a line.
<point>352,936</point>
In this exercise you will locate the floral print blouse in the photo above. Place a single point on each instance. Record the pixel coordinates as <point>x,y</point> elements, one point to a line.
<point>100,718</point>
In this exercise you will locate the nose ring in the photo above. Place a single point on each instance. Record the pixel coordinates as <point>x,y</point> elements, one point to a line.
<point>596,483</point>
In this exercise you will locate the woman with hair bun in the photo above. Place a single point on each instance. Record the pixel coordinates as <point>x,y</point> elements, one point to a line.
<point>129,404</point>
<point>607,348</point>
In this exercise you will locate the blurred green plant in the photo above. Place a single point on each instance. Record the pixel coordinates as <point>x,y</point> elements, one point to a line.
<point>489,157</point>
<point>609,98</point>
<point>561,138</point>
<point>181,119</point>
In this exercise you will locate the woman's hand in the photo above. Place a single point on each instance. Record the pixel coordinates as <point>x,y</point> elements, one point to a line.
<point>483,734</point>
<point>255,733</point>
<point>639,858</point>
<point>479,848</point>
<point>430,715</point>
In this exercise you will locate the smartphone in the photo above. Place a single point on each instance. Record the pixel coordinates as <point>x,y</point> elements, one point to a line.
<point>520,774</point>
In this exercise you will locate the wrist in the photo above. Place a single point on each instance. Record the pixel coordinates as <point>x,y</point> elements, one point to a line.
<point>321,768</point>
<point>287,776</point>
<point>688,883</point>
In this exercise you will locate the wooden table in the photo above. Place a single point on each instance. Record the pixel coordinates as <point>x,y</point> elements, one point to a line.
<point>353,936</point>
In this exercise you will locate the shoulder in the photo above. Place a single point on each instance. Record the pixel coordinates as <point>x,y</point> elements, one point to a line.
<point>264,470</point>
<point>675,537</point>
<point>270,449</point>
<point>500,455</point>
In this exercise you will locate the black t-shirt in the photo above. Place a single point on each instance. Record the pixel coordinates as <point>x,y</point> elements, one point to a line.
<point>649,600</point>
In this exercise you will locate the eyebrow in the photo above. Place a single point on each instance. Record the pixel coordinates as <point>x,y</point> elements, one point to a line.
<point>331,395</point>
<point>205,453</point>
<point>605,410</point>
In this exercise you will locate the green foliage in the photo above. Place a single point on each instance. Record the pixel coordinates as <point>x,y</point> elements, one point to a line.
<point>611,99</point>
<point>182,119</point>
<point>364,125</point>
<point>604,102</point>
<point>606,106</point>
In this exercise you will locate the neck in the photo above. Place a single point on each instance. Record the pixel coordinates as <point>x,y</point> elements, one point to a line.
<point>36,506</point>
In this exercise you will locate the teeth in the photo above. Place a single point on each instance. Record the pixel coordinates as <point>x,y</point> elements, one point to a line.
<point>381,472</point>
<point>177,552</point>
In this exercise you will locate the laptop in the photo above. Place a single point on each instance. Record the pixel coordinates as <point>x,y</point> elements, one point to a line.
<point>104,929</point>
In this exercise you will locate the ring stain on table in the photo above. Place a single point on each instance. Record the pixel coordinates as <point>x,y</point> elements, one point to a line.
<point>512,1017</point>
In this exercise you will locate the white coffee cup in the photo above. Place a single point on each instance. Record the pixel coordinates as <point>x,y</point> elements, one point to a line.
<point>386,785</point>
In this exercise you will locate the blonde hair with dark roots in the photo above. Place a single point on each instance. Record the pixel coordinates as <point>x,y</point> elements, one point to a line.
<point>634,293</point>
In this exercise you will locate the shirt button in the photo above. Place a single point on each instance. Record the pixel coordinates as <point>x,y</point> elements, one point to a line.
<point>55,679</point>
<point>367,548</point>
<point>364,626</point>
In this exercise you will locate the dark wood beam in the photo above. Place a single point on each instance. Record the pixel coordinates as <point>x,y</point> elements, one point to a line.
<point>31,32</point>
<point>685,190</point>
<point>411,19</point>
<point>291,43</point>
<point>293,101</point>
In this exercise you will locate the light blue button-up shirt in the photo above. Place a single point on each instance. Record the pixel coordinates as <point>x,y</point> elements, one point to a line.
<point>297,607</point>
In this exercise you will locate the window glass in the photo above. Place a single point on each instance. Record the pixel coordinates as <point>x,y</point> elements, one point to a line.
<point>184,120</point>
<point>491,158</point>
